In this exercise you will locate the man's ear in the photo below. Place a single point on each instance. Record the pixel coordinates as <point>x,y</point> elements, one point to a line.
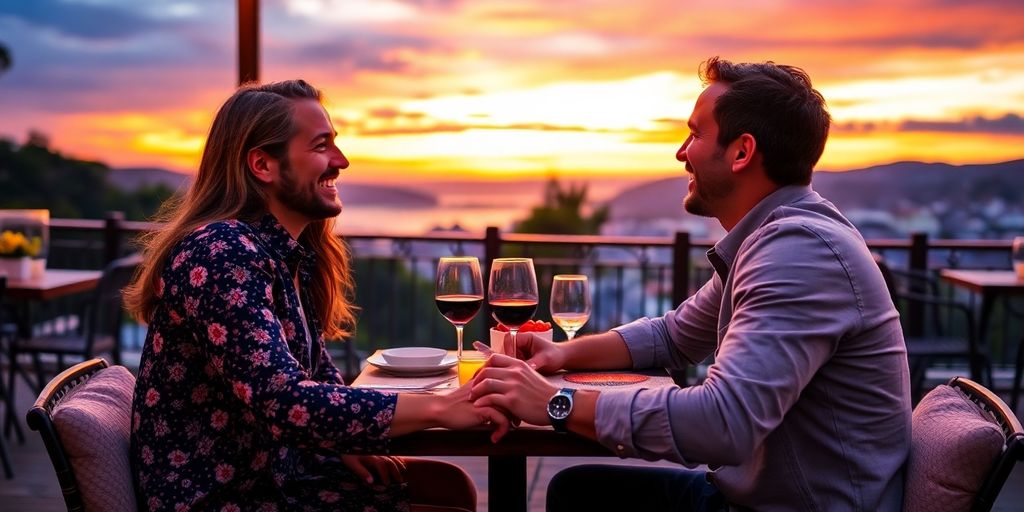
<point>262,166</point>
<point>743,150</point>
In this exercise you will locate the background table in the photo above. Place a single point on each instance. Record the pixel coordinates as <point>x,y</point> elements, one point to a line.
<point>52,284</point>
<point>990,285</point>
<point>506,460</point>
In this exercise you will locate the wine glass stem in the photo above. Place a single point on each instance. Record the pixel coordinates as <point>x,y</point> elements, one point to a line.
<point>513,352</point>
<point>458,335</point>
<point>569,335</point>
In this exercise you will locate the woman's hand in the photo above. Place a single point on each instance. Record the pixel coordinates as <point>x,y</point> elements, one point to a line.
<point>388,469</point>
<point>460,413</point>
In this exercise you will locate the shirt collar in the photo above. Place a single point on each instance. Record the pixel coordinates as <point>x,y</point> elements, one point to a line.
<point>724,252</point>
<point>277,238</point>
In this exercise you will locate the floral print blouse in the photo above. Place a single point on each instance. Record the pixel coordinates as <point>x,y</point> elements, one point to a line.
<point>238,406</point>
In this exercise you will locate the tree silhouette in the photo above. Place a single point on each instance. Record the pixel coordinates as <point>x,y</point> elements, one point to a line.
<point>5,59</point>
<point>562,212</point>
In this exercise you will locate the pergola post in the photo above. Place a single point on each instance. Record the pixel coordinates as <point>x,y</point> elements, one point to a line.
<point>248,41</point>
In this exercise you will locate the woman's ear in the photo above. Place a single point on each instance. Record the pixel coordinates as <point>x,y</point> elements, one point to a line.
<point>262,166</point>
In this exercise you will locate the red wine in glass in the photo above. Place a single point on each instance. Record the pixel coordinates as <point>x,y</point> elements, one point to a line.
<point>512,292</point>
<point>458,292</point>
<point>459,309</point>
<point>512,312</point>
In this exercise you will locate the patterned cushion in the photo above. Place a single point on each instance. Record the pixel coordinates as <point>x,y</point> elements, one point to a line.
<point>954,445</point>
<point>93,422</point>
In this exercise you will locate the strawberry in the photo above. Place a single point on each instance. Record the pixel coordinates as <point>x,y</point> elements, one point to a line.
<point>529,326</point>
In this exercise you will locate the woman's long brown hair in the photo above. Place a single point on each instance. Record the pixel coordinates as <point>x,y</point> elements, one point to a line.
<point>256,116</point>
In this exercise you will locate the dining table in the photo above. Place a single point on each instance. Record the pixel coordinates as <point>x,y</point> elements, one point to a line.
<point>990,286</point>
<point>506,460</point>
<point>25,293</point>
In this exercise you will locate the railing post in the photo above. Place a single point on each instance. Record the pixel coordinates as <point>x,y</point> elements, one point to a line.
<point>112,236</point>
<point>680,287</point>
<point>680,268</point>
<point>918,263</point>
<point>492,250</point>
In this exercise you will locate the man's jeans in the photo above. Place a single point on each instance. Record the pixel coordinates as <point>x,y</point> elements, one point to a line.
<point>602,487</point>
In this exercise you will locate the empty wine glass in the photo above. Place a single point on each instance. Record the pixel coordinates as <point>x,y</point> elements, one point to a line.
<point>459,291</point>
<point>512,293</point>
<point>570,302</point>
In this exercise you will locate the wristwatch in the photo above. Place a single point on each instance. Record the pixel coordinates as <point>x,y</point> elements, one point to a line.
<point>559,409</point>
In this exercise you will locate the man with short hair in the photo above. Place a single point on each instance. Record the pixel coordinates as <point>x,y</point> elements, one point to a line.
<point>807,403</point>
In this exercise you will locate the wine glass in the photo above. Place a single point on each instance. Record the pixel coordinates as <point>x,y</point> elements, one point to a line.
<point>459,291</point>
<point>512,293</point>
<point>570,302</point>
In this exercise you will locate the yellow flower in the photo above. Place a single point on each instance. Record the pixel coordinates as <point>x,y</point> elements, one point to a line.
<point>16,245</point>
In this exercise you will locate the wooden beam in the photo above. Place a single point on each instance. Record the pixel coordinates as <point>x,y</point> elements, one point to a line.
<point>248,41</point>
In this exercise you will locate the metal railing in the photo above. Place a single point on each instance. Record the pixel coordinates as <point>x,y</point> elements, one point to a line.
<point>630,276</point>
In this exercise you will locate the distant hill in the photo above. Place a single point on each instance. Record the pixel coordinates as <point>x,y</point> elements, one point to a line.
<point>887,186</point>
<point>132,178</point>
<point>881,187</point>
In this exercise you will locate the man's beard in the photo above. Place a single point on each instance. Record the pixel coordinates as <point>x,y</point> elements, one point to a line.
<point>708,191</point>
<point>306,201</point>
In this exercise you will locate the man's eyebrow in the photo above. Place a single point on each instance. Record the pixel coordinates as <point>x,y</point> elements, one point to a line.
<point>323,135</point>
<point>691,125</point>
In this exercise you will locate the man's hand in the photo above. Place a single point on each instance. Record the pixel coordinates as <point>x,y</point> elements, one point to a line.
<point>511,385</point>
<point>543,355</point>
<point>387,469</point>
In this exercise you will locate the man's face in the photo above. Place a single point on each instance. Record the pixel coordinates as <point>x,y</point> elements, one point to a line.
<point>307,175</point>
<point>711,178</point>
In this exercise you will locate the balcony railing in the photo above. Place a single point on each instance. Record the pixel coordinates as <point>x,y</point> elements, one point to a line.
<point>630,276</point>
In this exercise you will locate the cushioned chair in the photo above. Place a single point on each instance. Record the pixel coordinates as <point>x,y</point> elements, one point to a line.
<point>964,444</point>
<point>100,332</point>
<point>949,333</point>
<point>84,418</point>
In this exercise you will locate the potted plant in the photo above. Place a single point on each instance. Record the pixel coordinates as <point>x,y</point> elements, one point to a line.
<point>16,253</point>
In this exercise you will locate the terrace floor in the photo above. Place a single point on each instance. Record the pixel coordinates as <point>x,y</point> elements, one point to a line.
<point>34,486</point>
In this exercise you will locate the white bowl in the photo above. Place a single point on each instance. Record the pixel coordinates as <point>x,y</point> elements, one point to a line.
<point>498,338</point>
<point>414,356</point>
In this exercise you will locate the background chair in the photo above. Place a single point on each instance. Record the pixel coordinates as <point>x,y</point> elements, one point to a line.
<point>84,418</point>
<point>99,333</point>
<point>5,399</point>
<point>948,332</point>
<point>964,444</point>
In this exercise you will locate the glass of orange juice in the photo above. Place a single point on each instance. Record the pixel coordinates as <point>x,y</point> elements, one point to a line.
<point>470,362</point>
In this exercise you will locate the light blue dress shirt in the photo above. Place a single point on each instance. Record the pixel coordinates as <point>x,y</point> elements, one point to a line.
<point>807,404</point>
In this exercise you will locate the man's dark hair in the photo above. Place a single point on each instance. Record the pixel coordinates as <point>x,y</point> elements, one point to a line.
<point>777,106</point>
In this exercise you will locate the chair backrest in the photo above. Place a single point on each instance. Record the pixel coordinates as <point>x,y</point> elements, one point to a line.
<point>965,442</point>
<point>106,310</point>
<point>1013,448</point>
<point>84,418</point>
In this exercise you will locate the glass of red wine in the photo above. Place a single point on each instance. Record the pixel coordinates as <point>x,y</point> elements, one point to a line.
<point>512,293</point>
<point>459,291</point>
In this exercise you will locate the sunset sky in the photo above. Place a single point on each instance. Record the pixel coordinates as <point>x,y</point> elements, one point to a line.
<point>431,89</point>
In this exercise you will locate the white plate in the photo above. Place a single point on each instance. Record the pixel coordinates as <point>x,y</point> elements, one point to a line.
<point>412,371</point>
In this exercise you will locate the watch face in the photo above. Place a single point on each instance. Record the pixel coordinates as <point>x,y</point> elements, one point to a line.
<point>559,406</point>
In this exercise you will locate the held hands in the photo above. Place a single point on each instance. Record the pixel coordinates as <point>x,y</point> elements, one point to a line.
<point>512,385</point>
<point>461,413</point>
